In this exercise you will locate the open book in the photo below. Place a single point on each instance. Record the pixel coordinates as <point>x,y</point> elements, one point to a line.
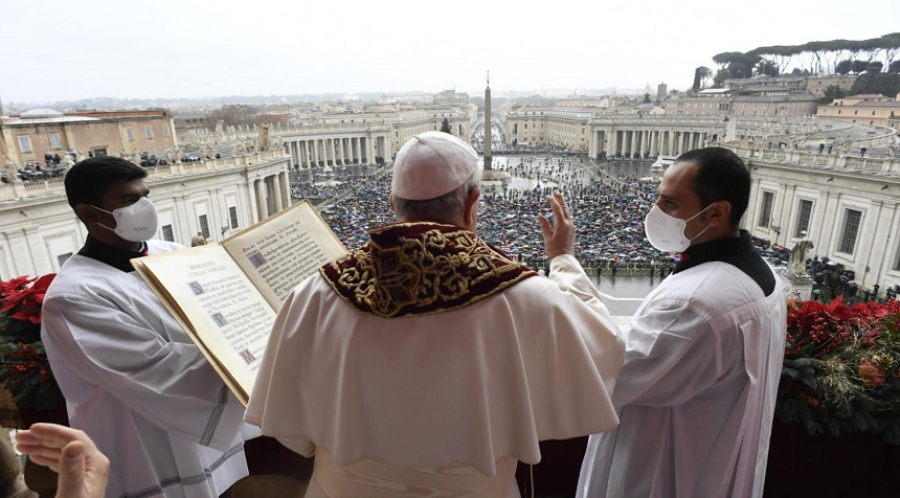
<point>226,295</point>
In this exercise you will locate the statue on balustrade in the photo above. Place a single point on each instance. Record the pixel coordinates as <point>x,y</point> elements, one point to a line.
<point>177,153</point>
<point>844,146</point>
<point>169,156</point>
<point>12,172</point>
<point>136,156</point>
<point>797,261</point>
<point>892,148</point>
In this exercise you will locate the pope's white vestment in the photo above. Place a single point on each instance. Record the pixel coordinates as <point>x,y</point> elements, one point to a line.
<point>438,404</point>
<point>696,395</point>
<point>138,386</point>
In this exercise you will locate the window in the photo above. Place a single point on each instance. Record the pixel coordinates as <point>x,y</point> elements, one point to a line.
<point>852,218</point>
<point>167,233</point>
<point>24,144</point>
<point>166,132</point>
<point>232,214</point>
<point>204,225</point>
<point>766,215</point>
<point>130,132</point>
<point>62,258</point>
<point>148,130</point>
<point>55,144</point>
<point>803,218</point>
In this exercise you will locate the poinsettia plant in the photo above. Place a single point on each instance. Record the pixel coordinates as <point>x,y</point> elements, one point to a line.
<point>24,368</point>
<point>842,368</point>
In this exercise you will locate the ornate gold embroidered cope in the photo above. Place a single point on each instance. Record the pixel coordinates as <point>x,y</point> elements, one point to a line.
<point>412,269</point>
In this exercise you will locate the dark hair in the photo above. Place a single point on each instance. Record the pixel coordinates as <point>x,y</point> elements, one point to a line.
<point>88,181</point>
<point>721,176</point>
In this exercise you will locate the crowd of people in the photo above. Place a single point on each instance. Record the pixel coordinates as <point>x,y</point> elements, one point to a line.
<point>609,214</point>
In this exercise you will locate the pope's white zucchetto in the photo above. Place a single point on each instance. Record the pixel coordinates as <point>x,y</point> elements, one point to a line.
<point>432,164</point>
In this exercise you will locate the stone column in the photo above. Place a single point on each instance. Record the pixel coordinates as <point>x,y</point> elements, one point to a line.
<point>370,150</point>
<point>634,143</point>
<point>277,191</point>
<point>670,149</point>
<point>262,210</point>
<point>653,144</point>
<point>643,144</point>
<point>285,189</point>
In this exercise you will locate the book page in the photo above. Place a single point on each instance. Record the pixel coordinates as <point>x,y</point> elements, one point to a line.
<point>281,251</point>
<point>218,305</point>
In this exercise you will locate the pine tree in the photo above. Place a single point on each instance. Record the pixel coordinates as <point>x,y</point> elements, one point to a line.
<point>445,127</point>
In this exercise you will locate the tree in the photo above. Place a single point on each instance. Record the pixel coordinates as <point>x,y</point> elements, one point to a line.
<point>445,127</point>
<point>844,67</point>
<point>739,70</point>
<point>860,66</point>
<point>721,75</point>
<point>883,83</point>
<point>701,74</point>
<point>646,98</point>
<point>767,68</point>
<point>894,67</point>
<point>831,93</point>
<point>875,67</point>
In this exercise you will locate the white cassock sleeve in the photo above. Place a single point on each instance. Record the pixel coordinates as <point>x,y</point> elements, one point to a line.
<point>168,383</point>
<point>671,354</point>
<point>567,273</point>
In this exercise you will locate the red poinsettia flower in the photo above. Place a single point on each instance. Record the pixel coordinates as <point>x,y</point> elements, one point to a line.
<point>26,300</point>
<point>871,373</point>
<point>10,286</point>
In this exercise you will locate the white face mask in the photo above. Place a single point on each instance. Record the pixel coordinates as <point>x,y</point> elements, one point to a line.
<point>666,232</point>
<point>134,223</point>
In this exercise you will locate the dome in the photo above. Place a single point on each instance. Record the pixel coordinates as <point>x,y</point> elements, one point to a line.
<point>41,113</point>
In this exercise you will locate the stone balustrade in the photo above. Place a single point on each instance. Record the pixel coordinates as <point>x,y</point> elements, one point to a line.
<point>35,189</point>
<point>835,162</point>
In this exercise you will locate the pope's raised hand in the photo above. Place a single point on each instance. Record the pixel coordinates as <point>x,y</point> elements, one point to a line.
<point>559,237</point>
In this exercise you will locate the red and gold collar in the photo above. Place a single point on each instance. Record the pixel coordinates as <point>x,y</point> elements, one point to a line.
<point>414,269</point>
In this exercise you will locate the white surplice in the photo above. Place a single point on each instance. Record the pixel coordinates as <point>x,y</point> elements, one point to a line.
<point>138,386</point>
<point>442,404</point>
<point>697,393</point>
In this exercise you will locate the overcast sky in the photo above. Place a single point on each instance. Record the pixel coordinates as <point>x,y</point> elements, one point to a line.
<point>64,49</point>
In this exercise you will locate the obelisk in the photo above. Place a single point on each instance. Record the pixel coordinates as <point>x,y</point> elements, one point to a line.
<point>488,129</point>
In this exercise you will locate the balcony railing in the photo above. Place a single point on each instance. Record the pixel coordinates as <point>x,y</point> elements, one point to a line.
<point>883,166</point>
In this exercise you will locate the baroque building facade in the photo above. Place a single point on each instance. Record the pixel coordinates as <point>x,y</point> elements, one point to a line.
<point>39,231</point>
<point>848,206</point>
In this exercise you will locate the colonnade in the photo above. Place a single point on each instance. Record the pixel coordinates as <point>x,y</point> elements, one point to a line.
<point>270,194</point>
<point>335,151</point>
<point>646,143</point>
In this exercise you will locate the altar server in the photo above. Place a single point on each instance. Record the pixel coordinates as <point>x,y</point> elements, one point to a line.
<point>428,363</point>
<point>697,393</point>
<point>132,379</point>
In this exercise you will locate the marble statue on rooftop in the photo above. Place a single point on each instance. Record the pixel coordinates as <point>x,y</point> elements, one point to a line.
<point>892,149</point>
